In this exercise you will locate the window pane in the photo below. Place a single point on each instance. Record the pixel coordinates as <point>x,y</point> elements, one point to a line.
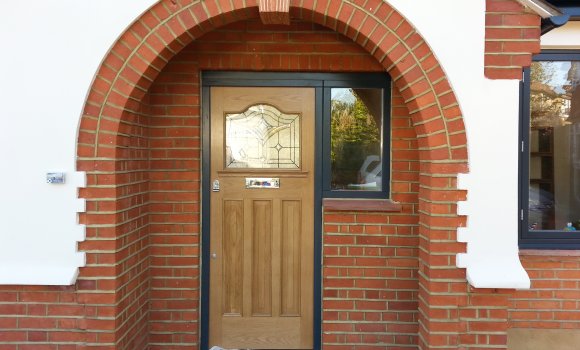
<point>262,137</point>
<point>356,124</point>
<point>554,187</point>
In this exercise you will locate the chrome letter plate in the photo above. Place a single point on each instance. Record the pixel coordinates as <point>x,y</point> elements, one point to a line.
<point>262,182</point>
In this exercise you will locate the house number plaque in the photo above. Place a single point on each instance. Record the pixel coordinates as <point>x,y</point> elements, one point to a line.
<point>262,182</point>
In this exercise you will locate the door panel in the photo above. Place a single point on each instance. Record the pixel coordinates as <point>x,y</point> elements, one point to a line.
<point>261,291</point>
<point>261,271</point>
<point>290,257</point>
<point>233,272</point>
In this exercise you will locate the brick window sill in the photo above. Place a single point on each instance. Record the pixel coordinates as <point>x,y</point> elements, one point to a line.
<point>549,252</point>
<point>351,204</point>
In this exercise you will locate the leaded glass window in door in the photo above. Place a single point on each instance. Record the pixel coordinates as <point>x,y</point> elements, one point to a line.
<point>262,137</point>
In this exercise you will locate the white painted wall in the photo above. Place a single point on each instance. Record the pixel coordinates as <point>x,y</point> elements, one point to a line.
<point>52,50</point>
<point>490,110</point>
<point>50,53</point>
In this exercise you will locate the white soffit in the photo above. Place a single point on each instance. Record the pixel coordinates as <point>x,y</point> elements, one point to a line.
<point>565,37</point>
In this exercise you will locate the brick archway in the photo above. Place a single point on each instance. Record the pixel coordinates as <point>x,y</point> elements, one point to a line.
<point>117,188</point>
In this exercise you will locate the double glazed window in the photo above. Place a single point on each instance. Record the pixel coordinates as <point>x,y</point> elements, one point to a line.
<point>356,130</point>
<point>550,186</point>
<point>352,116</point>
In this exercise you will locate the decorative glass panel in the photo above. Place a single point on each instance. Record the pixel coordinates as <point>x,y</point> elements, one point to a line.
<point>262,137</point>
<point>554,185</point>
<point>355,148</point>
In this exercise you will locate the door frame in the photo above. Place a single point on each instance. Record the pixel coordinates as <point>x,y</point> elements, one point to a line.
<point>317,81</point>
<point>258,79</point>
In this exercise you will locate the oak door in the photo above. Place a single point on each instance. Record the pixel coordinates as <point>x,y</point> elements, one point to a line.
<point>262,172</point>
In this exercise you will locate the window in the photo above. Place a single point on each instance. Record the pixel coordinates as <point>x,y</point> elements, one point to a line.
<point>356,130</point>
<point>550,165</point>
<point>353,154</point>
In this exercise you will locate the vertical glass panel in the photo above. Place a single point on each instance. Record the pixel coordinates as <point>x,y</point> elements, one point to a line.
<point>356,124</point>
<point>262,137</point>
<point>554,188</point>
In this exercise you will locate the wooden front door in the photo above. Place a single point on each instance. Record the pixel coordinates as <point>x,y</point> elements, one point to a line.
<point>262,222</point>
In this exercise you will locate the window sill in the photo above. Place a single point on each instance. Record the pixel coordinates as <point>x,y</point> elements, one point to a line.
<point>364,204</point>
<point>549,252</point>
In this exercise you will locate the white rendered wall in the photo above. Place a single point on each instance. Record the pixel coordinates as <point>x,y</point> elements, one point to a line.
<point>52,50</point>
<point>50,53</point>
<point>455,30</point>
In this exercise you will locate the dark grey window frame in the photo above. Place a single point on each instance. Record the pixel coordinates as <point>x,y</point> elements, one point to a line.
<point>538,239</point>
<point>377,81</point>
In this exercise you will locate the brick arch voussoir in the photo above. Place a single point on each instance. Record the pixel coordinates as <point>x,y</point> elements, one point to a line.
<point>148,44</point>
<point>144,49</point>
<point>395,43</point>
<point>141,53</point>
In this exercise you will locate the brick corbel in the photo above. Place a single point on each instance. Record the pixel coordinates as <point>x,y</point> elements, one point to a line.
<point>275,11</point>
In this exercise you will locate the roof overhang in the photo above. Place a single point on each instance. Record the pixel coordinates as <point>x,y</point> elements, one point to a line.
<point>542,8</point>
<point>568,7</point>
<point>552,17</point>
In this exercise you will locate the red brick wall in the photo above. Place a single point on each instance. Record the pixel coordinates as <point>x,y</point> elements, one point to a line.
<point>512,36</point>
<point>133,241</point>
<point>174,179</point>
<point>141,283</point>
<point>175,149</point>
<point>113,288</point>
<point>39,315</point>
<point>370,259</point>
<point>110,299</point>
<point>382,31</point>
<point>553,300</point>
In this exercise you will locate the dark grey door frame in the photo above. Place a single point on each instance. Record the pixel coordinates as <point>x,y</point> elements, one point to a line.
<point>318,81</point>
<point>253,79</point>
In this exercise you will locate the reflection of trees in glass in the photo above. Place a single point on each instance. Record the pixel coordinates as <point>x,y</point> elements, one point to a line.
<point>554,117</point>
<point>544,102</point>
<point>355,135</point>
<point>549,98</point>
<point>574,91</point>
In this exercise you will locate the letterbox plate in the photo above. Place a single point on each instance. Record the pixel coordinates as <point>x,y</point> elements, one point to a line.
<point>262,182</point>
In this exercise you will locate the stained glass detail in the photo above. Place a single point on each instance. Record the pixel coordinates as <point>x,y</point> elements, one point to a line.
<point>262,137</point>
